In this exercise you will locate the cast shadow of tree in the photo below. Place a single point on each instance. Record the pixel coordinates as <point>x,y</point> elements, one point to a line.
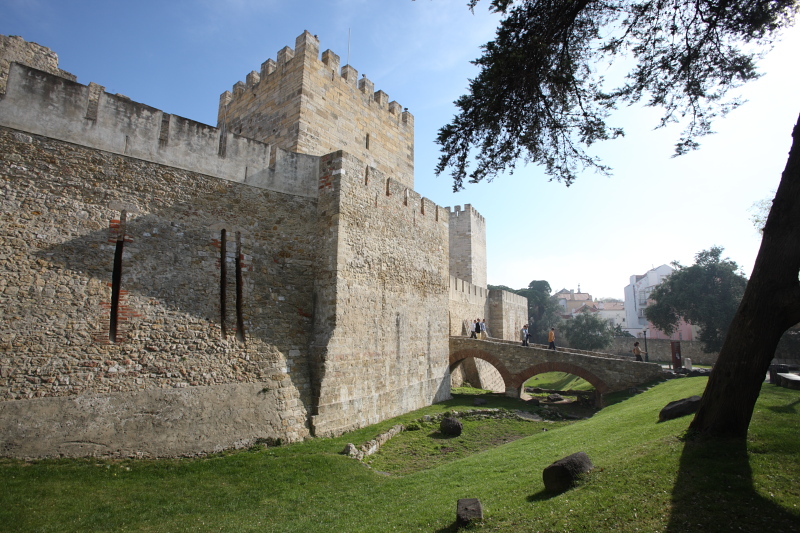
<point>717,474</point>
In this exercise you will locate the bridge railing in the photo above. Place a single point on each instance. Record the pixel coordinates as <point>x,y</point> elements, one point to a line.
<point>558,349</point>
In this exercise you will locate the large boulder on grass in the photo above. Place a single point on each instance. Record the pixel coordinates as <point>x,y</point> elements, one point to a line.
<point>679,408</point>
<point>563,474</point>
<point>468,510</point>
<point>451,427</point>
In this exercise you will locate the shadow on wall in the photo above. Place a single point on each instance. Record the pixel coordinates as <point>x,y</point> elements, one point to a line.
<point>191,308</point>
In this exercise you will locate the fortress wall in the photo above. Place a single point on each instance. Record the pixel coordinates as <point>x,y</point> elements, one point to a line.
<point>306,104</point>
<point>60,220</point>
<point>16,49</point>
<point>45,104</point>
<point>380,331</point>
<point>466,302</point>
<point>468,245</point>
<point>508,312</point>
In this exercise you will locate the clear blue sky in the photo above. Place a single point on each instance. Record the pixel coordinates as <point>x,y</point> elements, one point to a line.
<point>180,55</point>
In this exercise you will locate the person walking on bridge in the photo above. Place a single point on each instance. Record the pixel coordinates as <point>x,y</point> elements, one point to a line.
<point>637,351</point>
<point>524,335</point>
<point>551,339</point>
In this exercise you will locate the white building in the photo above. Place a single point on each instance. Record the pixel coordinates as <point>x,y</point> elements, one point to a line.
<point>636,296</point>
<point>613,313</point>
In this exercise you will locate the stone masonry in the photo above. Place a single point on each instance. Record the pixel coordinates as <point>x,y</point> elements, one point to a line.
<point>169,288</point>
<point>310,105</point>
<point>516,364</point>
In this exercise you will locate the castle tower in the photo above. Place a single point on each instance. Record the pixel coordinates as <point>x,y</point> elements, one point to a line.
<point>309,105</point>
<point>468,245</point>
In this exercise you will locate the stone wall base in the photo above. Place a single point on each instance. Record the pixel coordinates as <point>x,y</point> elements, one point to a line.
<point>150,423</point>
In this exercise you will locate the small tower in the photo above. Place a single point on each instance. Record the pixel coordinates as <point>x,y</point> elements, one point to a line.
<point>309,105</point>
<point>468,245</point>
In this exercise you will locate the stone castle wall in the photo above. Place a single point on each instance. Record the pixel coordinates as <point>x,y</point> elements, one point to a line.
<point>16,49</point>
<point>170,288</point>
<point>61,209</point>
<point>380,327</point>
<point>508,312</point>
<point>466,302</point>
<point>48,105</point>
<point>468,245</point>
<point>310,105</point>
<point>661,350</point>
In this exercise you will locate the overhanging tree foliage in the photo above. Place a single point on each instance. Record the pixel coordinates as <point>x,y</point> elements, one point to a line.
<point>706,294</point>
<point>587,331</point>
<point>537,98</point>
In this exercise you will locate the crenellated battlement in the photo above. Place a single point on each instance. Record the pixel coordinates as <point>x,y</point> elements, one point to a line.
<point>53,106</point>
<point>310,104</point>
<point>468,210</point>
<point>344,174</point>
<point>307,47</point>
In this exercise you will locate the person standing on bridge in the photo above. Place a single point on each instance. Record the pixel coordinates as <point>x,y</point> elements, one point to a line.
<point>551,339</point>
<point>637,351</point>
<point>472,330</point>
<point>524,335</point>
<point>484,333</point>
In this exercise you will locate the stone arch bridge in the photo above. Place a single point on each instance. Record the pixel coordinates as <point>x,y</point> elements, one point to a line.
<point>516,364</point>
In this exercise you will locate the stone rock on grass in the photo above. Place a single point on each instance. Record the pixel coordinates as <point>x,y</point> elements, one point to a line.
<point>563,474</point>
<point>467,510</point>
<point>679,408</point>
<point>451,426</point>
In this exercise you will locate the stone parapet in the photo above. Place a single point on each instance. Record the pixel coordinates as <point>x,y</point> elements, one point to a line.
<point>44,104</point>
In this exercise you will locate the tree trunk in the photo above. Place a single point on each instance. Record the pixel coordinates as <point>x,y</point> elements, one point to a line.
<point>770,306</point>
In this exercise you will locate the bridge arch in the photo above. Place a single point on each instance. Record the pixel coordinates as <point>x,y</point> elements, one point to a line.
<point>514,381</point>
<point>460,355</point>
<point>557,366</point>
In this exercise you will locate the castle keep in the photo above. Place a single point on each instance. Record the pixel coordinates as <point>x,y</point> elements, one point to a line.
<point>173,288</point>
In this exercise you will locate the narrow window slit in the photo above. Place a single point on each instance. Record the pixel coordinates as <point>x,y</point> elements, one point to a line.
<point>223,293</point>
<point>116,279</point>
<point>239,287</point>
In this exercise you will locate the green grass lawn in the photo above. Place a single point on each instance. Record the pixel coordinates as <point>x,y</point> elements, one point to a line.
<point>646,478</point>
<point>558,381</point>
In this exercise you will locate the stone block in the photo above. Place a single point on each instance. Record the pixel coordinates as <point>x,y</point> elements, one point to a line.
<point>679,408</point>
<point>468,510</point>
<point>563,474</point>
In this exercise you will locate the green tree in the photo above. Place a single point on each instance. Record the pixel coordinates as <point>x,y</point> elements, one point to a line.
<point>587,331</point>
<point>760,211</point>
<point>537,97</point>
<point>707,294</point>
<point>543,310</point>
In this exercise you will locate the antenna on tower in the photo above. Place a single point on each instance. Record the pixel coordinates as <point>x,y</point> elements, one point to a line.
<point>348,46</point>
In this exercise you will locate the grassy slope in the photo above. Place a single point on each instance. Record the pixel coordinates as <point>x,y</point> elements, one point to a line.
<point>646,479</point>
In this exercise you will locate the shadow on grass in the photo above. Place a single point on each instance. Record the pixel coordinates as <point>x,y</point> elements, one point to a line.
<point>714,492</point>
<point>543,495</point>
<point>789,409</point>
